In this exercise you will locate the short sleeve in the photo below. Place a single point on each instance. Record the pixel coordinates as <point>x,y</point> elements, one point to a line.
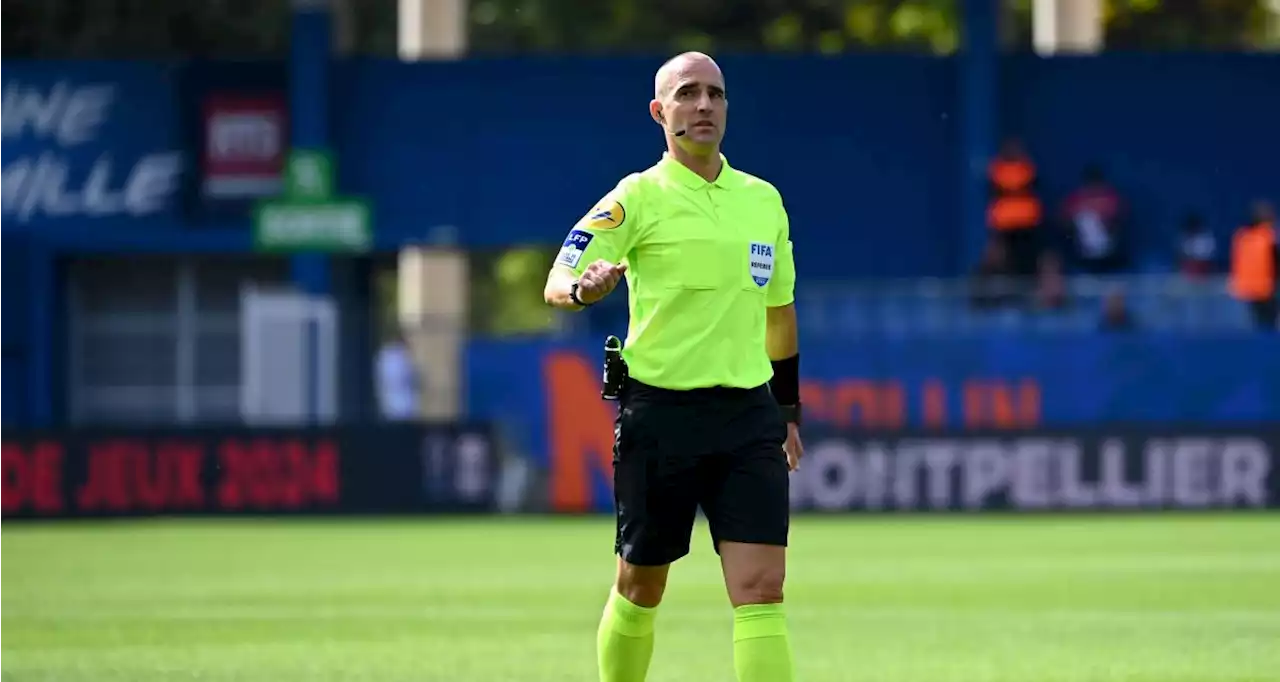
<point>782,288</point>
<point>607,231</point>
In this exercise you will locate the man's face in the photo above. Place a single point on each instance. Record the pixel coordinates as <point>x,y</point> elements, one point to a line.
<point>692,99</point>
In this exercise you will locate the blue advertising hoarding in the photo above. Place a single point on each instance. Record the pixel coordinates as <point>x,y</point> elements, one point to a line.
<point>95,147</point>
<point>547,395</point>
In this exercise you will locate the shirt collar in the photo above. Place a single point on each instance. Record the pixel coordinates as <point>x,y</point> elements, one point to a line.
<point>728,178</point>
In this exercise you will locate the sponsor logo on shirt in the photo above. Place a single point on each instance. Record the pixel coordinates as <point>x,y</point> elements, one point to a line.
<point>606,215</point>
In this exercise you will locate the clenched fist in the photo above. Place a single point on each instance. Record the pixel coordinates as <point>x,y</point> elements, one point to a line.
<point>600,278</point>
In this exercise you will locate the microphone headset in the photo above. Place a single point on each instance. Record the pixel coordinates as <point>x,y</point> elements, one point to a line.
<point>678,133</point>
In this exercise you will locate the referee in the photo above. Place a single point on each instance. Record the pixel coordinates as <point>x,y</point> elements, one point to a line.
<point>709,415</point>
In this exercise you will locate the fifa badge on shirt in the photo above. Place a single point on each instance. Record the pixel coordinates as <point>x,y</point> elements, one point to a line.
<point>574,245</point>
<point>761,262</point>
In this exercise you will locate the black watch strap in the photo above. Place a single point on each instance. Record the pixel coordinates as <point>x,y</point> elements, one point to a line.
<point>573,294</point>
<point>790,413</point>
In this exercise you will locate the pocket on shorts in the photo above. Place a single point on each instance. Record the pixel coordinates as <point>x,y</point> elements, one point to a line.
<point>632,438</point>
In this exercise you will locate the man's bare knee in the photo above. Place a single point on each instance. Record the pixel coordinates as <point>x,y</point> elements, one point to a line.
<point>753,574</point>
<point>642,585</point>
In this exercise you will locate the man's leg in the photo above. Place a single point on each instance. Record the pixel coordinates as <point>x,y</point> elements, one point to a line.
<point>747,499</point>
<point>655,495</point>
<point>754,575</point>
<point>624,641</point>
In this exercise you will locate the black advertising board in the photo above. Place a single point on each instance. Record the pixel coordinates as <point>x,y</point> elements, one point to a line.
<point>1096,468</point>
<point>143,472</point>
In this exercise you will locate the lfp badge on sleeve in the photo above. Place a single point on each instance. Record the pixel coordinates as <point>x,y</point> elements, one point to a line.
<point>309,217</point>
<point>761,262</point>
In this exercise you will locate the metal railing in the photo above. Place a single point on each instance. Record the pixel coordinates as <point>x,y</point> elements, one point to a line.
<point>949,307</point>
<point>931,307</point>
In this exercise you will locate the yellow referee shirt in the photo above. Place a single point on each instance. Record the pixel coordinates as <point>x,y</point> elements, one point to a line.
<point>704,261</point>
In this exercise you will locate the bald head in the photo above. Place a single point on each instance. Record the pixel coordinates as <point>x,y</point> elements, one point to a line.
<point>682,64</point>
<point>689,103</point>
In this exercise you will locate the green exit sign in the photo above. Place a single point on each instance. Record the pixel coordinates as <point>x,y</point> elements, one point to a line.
<point>308,216</point>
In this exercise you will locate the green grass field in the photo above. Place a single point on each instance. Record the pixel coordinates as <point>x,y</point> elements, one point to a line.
<point>890,599</point>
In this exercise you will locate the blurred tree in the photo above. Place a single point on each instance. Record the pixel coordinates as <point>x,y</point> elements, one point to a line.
<point>102,29</point>
<point>1186,24</point>
<point>251,28</point>
<point>1172,24</point>
<point>386,299</point>
<point>506,292</point>
<point>828,26</point>
<point>834,26</point>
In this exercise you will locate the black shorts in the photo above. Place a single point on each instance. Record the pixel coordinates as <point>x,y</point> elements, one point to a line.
<point>719,449</point>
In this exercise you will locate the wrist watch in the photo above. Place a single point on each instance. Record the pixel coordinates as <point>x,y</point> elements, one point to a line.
<point>573,294</point>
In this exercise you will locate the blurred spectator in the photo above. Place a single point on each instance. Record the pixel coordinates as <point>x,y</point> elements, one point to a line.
<point>1255,258</point>
<point>399,394</point>
<point>1015,212</point>
<point>1094,213</point>
<point>1197,248</point>
<point>1115,312</point>
<point>990,285</point>
<point>1051,285</point>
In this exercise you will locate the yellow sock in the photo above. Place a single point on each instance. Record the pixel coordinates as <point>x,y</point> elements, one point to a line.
<point>761,645</point>
<point>624,642</point>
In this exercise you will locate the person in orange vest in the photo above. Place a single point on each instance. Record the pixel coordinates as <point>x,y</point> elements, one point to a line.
<point>1255,262</point>
<point>1014,212</point>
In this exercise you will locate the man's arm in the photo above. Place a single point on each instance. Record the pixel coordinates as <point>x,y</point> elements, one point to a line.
<point>781,294</point>
<point>600,278</point>
<point>782,344</point>
<point>781,338</point>
<point>592,252</point>
<point>559,282</point>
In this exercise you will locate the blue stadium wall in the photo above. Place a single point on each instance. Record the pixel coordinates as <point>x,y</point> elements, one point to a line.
<point>865,149</point>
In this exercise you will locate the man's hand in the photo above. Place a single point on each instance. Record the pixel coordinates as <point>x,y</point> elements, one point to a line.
<point>600,278</point>
<point>793,447</point>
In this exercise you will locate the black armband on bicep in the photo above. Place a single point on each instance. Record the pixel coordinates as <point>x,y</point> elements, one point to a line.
<point>785,383</point>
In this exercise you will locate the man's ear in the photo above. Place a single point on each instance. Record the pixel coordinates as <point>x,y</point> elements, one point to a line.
<point>655,112</point>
